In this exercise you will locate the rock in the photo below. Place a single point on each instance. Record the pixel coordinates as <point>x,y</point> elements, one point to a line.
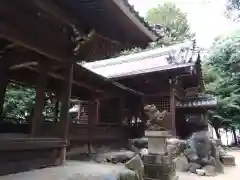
<point>201,144</point>
<point>191,155</point>
<point>181,163</point>
<point>217,142</point>
<point>143,152</point>
<point>192,167</point>
<point>140,143</point>
<point>135,164</point>
<point>200,172</point>
<point>175,146</point>
<point>115,157</point>
<point>219,166</point>
<point>209,170</point>
<point>207,161</point>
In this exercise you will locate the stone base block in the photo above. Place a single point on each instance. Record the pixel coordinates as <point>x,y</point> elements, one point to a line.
<point>157,159</point>
<point>228,160</point>
<point>173,178</point>
<point>162,172</point>
<point>157,143</point>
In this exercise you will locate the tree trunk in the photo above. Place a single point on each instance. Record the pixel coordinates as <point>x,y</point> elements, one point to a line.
<point>226,130</point>
<point>217,131</point>
<point>234,136</point>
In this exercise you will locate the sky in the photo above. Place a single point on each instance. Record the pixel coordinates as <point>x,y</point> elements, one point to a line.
<point>205,17</point>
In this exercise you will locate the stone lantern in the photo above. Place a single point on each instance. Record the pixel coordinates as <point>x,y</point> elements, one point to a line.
<point>158,162</point>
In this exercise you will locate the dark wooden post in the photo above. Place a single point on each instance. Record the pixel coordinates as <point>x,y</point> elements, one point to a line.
<point>121,118</point>
<point>4,64</point>
<point>65,104</point>
<point>93,121</point>
<point>39,100</point>
<point>79,111</point>
<point>172,107</point>
<point>56,112</point>
<point>3,86</point>
<point>65,101</point>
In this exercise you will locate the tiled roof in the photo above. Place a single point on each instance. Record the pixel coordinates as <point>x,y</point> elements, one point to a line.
<point>141,19</point>
<point>200,101</point>
<point>158,59</point>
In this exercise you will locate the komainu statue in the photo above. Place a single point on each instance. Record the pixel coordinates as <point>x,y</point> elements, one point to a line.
<point>155,118</point>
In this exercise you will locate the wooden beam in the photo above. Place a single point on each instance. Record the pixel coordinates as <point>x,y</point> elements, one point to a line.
<point>57,76</point>
<point>31,32</point>
<point>21,65</point>
<point>40,100</point>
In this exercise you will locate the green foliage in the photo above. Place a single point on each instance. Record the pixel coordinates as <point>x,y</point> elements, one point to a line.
<point>174,22</point>
<point>235,4</point>
<point>222,78</point>
<point>20,101</point>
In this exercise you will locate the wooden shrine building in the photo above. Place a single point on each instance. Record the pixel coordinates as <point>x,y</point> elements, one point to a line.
<point>169,77</point>
<point>40,43</point>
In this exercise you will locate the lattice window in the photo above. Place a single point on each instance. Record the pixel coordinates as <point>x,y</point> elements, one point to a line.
<point>161,103</point>
<point>83,117</point>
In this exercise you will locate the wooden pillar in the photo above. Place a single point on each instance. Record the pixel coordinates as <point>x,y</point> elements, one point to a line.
<point>37,117</point>
<point>3,87</point>
<point>173,108</point>
<point>56,111</point>
<point>91,122</point>
<point>79,111</point>
<point>121,118</point>
<point>65,102</point>
<point>65,105</point>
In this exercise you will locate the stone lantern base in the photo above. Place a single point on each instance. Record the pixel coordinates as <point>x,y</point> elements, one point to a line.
<point>158,164</point>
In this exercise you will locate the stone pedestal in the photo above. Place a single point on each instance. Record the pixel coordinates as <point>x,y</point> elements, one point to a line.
<point>158,164</point>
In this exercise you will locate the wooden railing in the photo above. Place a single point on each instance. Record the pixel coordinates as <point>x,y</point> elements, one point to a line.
<point>81,131</point>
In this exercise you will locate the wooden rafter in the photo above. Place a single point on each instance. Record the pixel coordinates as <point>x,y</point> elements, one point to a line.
<point>29,31</point>
<point>51,8</point>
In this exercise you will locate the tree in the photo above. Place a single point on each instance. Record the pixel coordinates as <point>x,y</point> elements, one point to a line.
<point>222,78</point>
<point>232,11</point>
<point>174,22</point>
<point>235,4</point>
<point>20,101</point>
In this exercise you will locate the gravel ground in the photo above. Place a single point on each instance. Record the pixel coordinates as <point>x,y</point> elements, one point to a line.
<point>72,170</point>
<point>231,173</point>
<point>91,171</point>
